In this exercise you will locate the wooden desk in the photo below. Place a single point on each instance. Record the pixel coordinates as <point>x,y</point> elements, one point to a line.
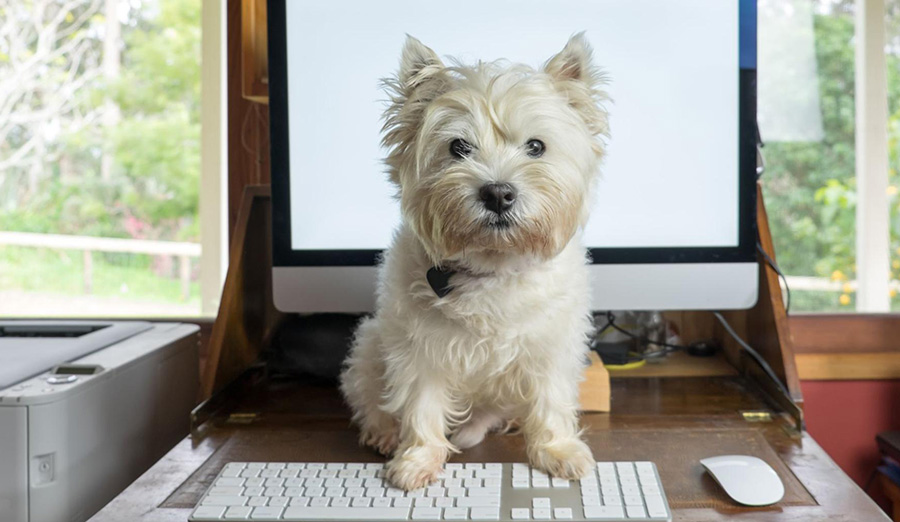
<point>671,421</point>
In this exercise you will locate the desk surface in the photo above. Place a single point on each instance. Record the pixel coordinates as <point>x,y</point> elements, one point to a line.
<point>671,421</point>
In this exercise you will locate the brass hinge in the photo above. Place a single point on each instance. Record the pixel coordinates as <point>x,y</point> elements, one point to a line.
<point>757,416</point>
<point>241,418</point>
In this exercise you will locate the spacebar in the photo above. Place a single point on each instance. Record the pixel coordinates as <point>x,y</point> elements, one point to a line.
<point>345,513</point>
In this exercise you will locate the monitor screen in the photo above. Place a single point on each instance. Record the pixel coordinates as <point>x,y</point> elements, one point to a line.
<point>671,176</point>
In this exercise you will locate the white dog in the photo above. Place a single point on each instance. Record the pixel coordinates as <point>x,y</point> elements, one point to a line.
<point>483,307</point>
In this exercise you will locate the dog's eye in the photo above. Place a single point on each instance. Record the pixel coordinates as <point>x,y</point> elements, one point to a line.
<point>535,148</point>
<point>460,148</point>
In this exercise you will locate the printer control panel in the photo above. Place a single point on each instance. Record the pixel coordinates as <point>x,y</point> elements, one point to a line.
<point>59,379</point>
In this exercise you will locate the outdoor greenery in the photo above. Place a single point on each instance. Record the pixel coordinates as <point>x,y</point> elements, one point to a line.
<point>102,138</point>
<point>810,187</point>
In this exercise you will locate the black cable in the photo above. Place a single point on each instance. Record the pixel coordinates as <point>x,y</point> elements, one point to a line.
<point>774,265</point>
<point>669,348</point>
<point>755,355</point>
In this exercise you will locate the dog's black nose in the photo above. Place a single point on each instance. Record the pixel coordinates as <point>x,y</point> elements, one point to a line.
<point>498,197</point>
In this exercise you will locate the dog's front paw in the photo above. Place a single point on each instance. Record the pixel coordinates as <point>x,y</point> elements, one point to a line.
<point>384,441</point>
<point>416,467</point>
<point>571,459</point>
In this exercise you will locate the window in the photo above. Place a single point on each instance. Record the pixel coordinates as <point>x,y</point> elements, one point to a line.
<point>820,109</point>
<point>100,159</point>
<point>806,118</point>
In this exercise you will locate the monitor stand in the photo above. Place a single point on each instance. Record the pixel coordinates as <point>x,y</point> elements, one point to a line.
<point>248,323</point>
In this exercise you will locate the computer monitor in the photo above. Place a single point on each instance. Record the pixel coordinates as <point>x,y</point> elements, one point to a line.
<point>673,225</point>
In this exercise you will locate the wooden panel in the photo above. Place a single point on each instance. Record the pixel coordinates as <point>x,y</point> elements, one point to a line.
<point>248,124</point>
<point>848,366</point>
<point>840,333</point>
<point>247,316</point>
<point>254,52</point>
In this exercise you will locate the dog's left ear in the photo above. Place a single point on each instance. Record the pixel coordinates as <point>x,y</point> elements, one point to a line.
<point>573,63</point>
<point>574,74</point>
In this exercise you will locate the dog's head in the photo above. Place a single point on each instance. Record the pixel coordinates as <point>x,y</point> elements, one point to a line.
<point>495,159</point>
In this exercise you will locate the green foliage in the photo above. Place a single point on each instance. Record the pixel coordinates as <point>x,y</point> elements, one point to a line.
<point>152,188</point>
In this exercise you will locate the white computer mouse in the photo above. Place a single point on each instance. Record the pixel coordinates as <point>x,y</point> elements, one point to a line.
<point>747,480</point>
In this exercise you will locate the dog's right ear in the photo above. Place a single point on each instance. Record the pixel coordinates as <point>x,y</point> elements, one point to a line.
<point>419,81</point>
<point>417,64</point>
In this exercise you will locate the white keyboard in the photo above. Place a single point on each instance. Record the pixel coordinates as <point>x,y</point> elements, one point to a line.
<point>298,491</point>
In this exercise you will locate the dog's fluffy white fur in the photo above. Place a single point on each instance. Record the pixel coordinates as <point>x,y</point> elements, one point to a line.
<point>428,376</point>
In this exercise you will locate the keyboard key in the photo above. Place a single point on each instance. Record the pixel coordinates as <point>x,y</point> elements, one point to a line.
<point>209,512</point>
<point>434,492</point>
<point>444,502</point>
<point>486,513</point>
<point>350,513</point>
<point>255,465</point>
<point>238,513</point>
<point>635,511</point>
<point>340,502</point>
<point>381,502</point>
<point>275,465</point>
<point>315,465</point>
<point>484,492</point>
<point>334,465</point>
<point>361,502</point>
<point>258,501</point>
<point>613,500</point>
<point>319,502</point>
<point>540,482</point>
<point>404,502</point>
<point>630,490</point>
<point>452,513</point>
<point>601,512</point>
<point>541,513</point>
<point>273,492</point>
<point>540,502</point>
<point>591,500</point>
<point>633,500</point>
<point>374,492</point>
<point>426,513</point>
<point>562,513</point>
<point>228,491</point>
<point>520,483</point>
<point>313,492</point>
<point>296,465</point>
<point>224,501</point>
<point>520,514</point>
<point>255,491</point>
<point>299,501</point>
<point>229,481</point>
<point>559,483</point>
<point>650,490</point>
<point>423,502</point>
<point>474,502</point>
<point>656,506</point>
<point>456,492</point>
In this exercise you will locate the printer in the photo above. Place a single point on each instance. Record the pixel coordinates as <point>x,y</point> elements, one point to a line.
<point>85,408</point>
